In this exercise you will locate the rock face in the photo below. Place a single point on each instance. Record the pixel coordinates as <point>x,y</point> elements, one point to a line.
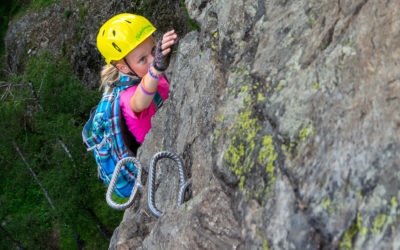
<point>285,114</point>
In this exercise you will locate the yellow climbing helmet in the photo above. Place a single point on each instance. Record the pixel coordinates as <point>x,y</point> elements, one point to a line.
<point>121,34</point>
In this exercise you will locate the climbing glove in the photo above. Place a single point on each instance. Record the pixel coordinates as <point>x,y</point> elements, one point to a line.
<point>161,62</point>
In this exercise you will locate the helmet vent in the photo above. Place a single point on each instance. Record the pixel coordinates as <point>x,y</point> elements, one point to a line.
<point>103,33</point>
<point>113,32</point>
<point>116,47</point>
<point>128,21</point>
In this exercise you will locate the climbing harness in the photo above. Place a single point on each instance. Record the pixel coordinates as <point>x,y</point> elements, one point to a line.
<point>151,180</point>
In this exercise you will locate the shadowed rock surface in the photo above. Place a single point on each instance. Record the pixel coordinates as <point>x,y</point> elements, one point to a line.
<point>286,117</point>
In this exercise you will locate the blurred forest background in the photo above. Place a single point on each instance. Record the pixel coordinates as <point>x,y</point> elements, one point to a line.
<point>50,196</point>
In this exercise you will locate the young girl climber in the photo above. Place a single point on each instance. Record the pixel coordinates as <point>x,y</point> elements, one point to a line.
<point>129,49</point>
<point>134,88</point>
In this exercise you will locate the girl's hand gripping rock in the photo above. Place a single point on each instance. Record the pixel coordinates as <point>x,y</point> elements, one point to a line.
<point>163,51</point>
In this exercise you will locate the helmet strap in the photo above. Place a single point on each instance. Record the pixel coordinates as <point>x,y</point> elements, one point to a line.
<point>132,73</point>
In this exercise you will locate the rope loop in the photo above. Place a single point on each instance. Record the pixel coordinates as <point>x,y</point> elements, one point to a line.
<point>151,180</point>
<point>111,187</point>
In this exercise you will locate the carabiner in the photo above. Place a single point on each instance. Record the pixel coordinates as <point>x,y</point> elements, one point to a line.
<point>152,171</point>
<point>113,181</point>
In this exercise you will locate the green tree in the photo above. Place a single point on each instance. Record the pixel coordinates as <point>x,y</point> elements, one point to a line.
<point>43,111</point>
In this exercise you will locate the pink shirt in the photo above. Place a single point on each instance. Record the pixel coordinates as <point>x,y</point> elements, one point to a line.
<point>139,125</point>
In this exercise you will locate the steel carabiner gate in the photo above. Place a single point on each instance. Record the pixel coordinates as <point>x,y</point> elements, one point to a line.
<point>111,187</point>
<point>151,180</point>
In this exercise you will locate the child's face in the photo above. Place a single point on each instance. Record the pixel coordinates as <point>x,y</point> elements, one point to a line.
<point>141,57</point>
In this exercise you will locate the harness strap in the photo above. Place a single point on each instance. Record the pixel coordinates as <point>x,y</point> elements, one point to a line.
<point>87,128</point>
<point>157,100</point>
<point>124,83</point>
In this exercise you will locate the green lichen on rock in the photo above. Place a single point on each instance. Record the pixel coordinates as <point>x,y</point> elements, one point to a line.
<point>378,223</point>
<point>351,233</point>
<point>268,156</point>
<point>393,202</point>
<point>241,147</point>
<point>311,20</point>
<point>265,245</point>
<point>305,132</point>
<point>326,203</point>
<point>346,243</point>
<point>247,148</point>
<point>360,195</point>
<point>260,97</point>
<point>280,85</point>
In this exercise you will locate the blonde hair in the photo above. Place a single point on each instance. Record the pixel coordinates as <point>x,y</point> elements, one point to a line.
<point>109,74</point>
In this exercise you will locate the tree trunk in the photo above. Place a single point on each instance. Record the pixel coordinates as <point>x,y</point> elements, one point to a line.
<point>107,234</point>
<point>34,175</point>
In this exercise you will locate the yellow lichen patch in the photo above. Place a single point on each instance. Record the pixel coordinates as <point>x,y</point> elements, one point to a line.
<point>221,118</point>
<point>316,85</point>
<point>359,221</point>
<point>311,20</point>
<point>233,154</point>
<point>215,35</point>
<point>267,150</point>
<point>280,85</point>
<point>268,156</point>
<point>378,223</point>
<point>347,241</point>
<point>248,100</point>
<point>265,245</point>
<point>260,97</point>
<point>360,195</point>
<point>326,203</point>
<point>244,151</point>
<point>241,147</point>
<point>393,202</point>
<point>364,230</point>
<point>305,132</point>
<point>348,44</point>
<point>244,89</point>
<point>241,183</point>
